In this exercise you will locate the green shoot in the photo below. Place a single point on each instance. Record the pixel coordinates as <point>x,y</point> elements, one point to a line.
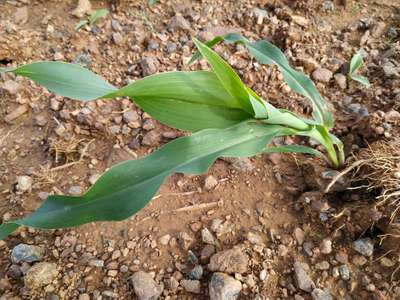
<point>225,116</point>
<point>355,64</point>
<point>94,16</point>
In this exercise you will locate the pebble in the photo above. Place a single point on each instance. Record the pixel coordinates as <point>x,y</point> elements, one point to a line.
<point>84,7</point>
<point>341,80</point>
<point>191,286</point>
<point>11,86</point>
<point>151,138</point>
<point>224,287</point>
<point>389,69</point>
<point>24,183</point>
<point>299,235</point>
<point>318,294</point>
<point>115,25</point>
<point>196,273</point>
<point>229,261</point>
<point>75,190</point>
<point>149,65</point>
<point>344,272</point>
<point>328,5</point>
<point>41,274</point>
<point>178,22</point>
<point>322,75</point>
<point>164,240</point>
<point>93,178</point>
<point>259,14</point>
<point>326,246</point>
<point>364,247</point>
<point>210,182</point>
<point>40,120</point>
<point>302,279</point>
<point>207,237</point>
<point>117,38</point>
<point>145,287</point>
<point>16,113</point>
<point>323,265</point>
<point>26,253</point>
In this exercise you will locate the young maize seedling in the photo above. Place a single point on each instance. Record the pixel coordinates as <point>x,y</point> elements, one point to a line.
<point>355,64</point>
<point>95,15</point>
<point>226,118</point>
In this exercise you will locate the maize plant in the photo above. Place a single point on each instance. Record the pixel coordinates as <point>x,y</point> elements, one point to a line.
<point>225,116</point>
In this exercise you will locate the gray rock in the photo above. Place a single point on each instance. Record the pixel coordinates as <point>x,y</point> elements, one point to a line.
<point>319,294</point>
<point>83,59</point>
<point>242,164</point>
<point>344,272</point>
<point>196,273</point>
<point>364,247</point>
<point>148,124</point>
<point>224,287</point>
<point>259,14</point>
<point>11,86</point>
<point>303,280</point>
<point>130,116</point>
<point>322,75</point>
<point>115,25</point>
<point>40,120</point>
<point>326,246</point>
<point>151,138</point>
<point>299,235</point>
<point>389,69</point>
<point>229,261</point>
<point>84,7</point>
<point>26,253</point>
<point>16,113</point>
<point>191,286</point>
<point>41,274</point>
<point>149,65</point>
<point>178,22</point>
<point>170,47</point>
<point>145,287</point>
<point>24,183</point>
<point>117,38</point>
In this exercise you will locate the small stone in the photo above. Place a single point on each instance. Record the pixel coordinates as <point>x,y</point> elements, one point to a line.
<point>210,182</point>
<point>24,183</point>
<point>255,238</point>
<point>259,14</point>
<point>178,22</point>
<point>84,7</point>
<point>323,265</point>
<point>55,104</point>
<point>58,56</point>
<point>392,116</point>
<point>84,297</point>
<point>115,25</point>
<point>117,38</point>
<point>386,262</point>
<point>263,274</point>
<point>145,287</point>
<point>378,29</point>
<point>318,294</point>
<point>303,280</point>
<point>341,80</point>
<point>359,260</point>
<point>322,75</point>
<point>41,274</point>
<point>282,250</point>
<point>207,237</point>
<point>328,5</point>
<point>344,272</point>
<point>149,65</point>
<point>299,235</point>
<point>11,86</point>
<point>229,261</point>
<point>164,240</point>
<point>184,240</point>
<point>196,273</point>
<point>224,287</point>
<point>93,178</point>
<point>171,283</point>
<point>191,286</point>
<point>242,164</point>
<point>170,47</point>
<point>40,120</point>
<point>26,253</point>
<point>148,124</point>
<point>192,258</point>
<point>16,113</point>
<point>207,251</point>
<point>364,247</point>
<point>326,246</point>
<point>98,263</point>
<point>389,69</point>
<point>151,138</point>
<point>75,190</point>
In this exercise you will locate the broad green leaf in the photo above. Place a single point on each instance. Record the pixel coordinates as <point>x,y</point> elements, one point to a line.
<point>99,13</point>
<point>209,44</point>
<point>267,53</point>
<point>68,80</point>
<point>361,79</point>
<point>185,100</point>
<point>227,76</point>
<point>81,23</point>
<point>355,63</point>
<point>129,186</point>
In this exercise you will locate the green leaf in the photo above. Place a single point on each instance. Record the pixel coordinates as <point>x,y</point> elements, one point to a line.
<point>227,76</point>
<point>355,63</point>
<point>152,2</point>
<point>361,79</point>
<point>210,44</point>
<point>185,100</point>
<point>68,80</point>
<point>81,23</point>
<point>128,187</point>
<point>267,53</point>
<point>99,13</point>
<point>294,148</point>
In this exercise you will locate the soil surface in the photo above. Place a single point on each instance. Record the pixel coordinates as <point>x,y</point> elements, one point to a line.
<point>288,240</point>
